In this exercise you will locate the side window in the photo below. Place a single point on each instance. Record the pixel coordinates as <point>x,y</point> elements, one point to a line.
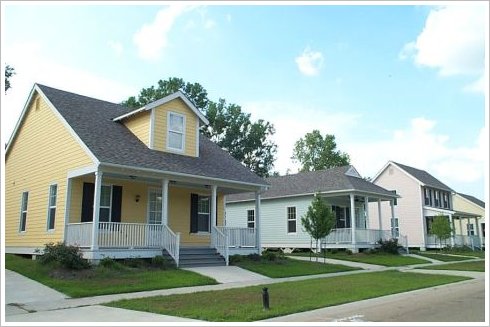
<point>175,131</point>
<point>53,193</point>
<point>23,211</point>
<point>251,218</point>
<point>291,219</point>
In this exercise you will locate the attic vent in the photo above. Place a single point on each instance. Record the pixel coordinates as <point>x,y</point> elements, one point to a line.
<point>390,171</point>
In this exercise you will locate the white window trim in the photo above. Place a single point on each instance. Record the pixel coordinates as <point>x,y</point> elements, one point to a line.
<point>204,213</point>
<point>169,148</point>
<point>22,211</point>
<point>51,206</point>
<point>248,221</point>
<point>105,207</point>
<point>288,220</point>
<point>152,190</point>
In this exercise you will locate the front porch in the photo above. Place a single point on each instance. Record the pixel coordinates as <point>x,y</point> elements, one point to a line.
<point>128,214</point>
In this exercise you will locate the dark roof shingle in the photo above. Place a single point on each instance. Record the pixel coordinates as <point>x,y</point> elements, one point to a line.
<point>111,142</point>
<point>329,180</point>
<point>424,177</point>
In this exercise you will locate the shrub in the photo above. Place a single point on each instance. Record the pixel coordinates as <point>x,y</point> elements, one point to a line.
<point>273,256</point>
<point>160,262</point>
<point>389,246</point>
<point>236,258</point>
<point>110,263</point>
<point>68,256</point>
<point>134,262</point>
<point>348,252</point>
<point>254,256</point>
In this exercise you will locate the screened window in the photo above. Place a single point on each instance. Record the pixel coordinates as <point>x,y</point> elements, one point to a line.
<point>203,213</point>
<point>23,211</point>
<point>291,219</point>
<point>53,192</point>
<point>395,230</point>
<point>251,218</point>
<point>155,206</point>
<point>175,137</point>
<point>105,203</point>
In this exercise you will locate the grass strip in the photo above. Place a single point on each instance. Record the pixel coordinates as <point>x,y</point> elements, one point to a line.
<point>443,257</point>
<point>465,266</point>
<point>382,259</point>
<point>245,304</point>
<point>101,281</point>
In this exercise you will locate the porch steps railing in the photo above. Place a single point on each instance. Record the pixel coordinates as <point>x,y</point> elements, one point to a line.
<point>171,243</point>
<point>219,241</point>
<point>239,237</point>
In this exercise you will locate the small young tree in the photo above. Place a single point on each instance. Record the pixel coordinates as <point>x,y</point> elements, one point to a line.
<point>441,228</point>
<point>318,220</point>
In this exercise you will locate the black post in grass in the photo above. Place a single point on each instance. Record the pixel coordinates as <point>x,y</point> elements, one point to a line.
<point>265,298</point>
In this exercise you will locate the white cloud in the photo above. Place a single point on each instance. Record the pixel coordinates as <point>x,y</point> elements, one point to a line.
<point>31,67</point>
<point>152,38</point>
<point>477,86</point>
<point>209,23</point>
<point>310,62</point>
<point>294,121</point>
<point>117,47</point>
<point>420,146</point>
<point>452,41</point>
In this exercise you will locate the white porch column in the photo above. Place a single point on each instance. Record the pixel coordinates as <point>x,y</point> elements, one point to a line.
<point>366,211</point>
<point>67,209</point>
<point>477,227</point>
<point>214,190</point>
<point>353,222</point>
<point>165,201</point>
<point>451,223</point>
<point>392,207</point>
<point>379,215</point>
<point>257,222</point>
<point>96,211</point>
<point>460,227</point>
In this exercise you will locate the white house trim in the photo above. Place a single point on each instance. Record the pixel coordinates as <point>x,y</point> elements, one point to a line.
<point>82,171</point>
<point>168,98</point>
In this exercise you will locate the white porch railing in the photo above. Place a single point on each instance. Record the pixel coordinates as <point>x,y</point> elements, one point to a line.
<point>371,236</point>
<point>339,236</point>
<point>171,243</point>
<point>472,241</point>
<point>239,237</point>
<point>219,241</point>
<point>126,235</point>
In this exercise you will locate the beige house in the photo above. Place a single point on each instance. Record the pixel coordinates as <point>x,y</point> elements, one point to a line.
<point>469,221</point>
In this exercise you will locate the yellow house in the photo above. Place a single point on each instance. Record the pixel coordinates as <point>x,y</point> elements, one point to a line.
<point>469,223</point>
<point>122,183</point>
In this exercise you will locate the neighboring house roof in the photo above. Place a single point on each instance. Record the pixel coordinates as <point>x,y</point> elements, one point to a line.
<point>473,199</point>
<point>338,179</point>
<point>112,143</point>
<point>424,177</point>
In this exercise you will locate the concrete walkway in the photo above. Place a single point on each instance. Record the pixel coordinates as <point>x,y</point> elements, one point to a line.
<point>361,265</point>
<point>228,274</point>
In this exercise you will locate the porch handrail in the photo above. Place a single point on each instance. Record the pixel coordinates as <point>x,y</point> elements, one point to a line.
<point>79,234</point>
<point>239,237</point>
<point>171,243</point>
<point>219,240</point>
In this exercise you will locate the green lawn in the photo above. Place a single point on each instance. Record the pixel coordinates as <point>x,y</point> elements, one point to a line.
<point>289,267</point>
<point>100,280</point>
<point>382,259</point>
<point>245,304</point>
<point>442,256</point>
<point>467,266</point>
<point>469,253</point>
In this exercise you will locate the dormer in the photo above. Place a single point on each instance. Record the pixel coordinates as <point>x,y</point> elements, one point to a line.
<point>170,124</point>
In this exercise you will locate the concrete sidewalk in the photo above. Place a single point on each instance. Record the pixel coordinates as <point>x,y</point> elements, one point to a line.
<point>228,274</point>
<point>361,265</point>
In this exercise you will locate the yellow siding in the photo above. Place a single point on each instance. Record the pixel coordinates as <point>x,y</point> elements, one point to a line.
<point>160,126</point>
<point>139,125</point>
<point>42,154</point>
<point>462,205</point>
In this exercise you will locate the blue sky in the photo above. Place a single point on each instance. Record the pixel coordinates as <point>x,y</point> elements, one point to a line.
<point>397,82</point>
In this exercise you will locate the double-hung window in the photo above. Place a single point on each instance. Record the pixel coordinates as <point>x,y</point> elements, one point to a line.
<point>395,230</point>
<point>291,219</point>
<point>23,212</point>
<point>155,206</point>
<point>251,218</point>
<point>175,132</point>
<point>53,193</point>
<point>203,214</point>
<point>470,229</point>
<point>105,203</point>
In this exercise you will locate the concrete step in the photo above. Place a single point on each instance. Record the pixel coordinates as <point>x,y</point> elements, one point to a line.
<point>201,263</point>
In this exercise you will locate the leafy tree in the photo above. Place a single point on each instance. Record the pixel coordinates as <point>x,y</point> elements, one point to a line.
<point>441,228</point>
<point>247,141</point>
<point>9,72</point>
<point>319,220</point>
<point>315,152</point>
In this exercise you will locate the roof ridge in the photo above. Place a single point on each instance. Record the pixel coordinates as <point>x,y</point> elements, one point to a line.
<point>310,172</point>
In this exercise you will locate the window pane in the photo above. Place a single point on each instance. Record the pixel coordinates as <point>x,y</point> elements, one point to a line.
<point>175,140</point>
<point>203,223</point>
<point>53,190</point>
<point>203,205</point>
<point>105,196</point>
<point>176,123</point>
<point>25,197</point>
<point>51,219</point>
<point>23,220</point>
<point>292,226</point>
<point>104,214</point>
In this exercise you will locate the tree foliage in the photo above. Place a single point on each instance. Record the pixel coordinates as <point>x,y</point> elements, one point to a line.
<point>9,72</point>
<point>233,130</point>
<point>319,220</point>
<point>315,152</point>
<point>441,228</point>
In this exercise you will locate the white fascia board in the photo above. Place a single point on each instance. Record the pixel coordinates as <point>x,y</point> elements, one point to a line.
<point>82,171</point>
<point>250,187</point>
<point>164,100</point>
<point>61,119</point>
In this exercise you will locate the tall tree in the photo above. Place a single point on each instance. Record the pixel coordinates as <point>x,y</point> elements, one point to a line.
<point>315,152</point>
<point>233,130</point>
<point>441,228</point>
<point>319,220</point>
<point>9,72</point>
